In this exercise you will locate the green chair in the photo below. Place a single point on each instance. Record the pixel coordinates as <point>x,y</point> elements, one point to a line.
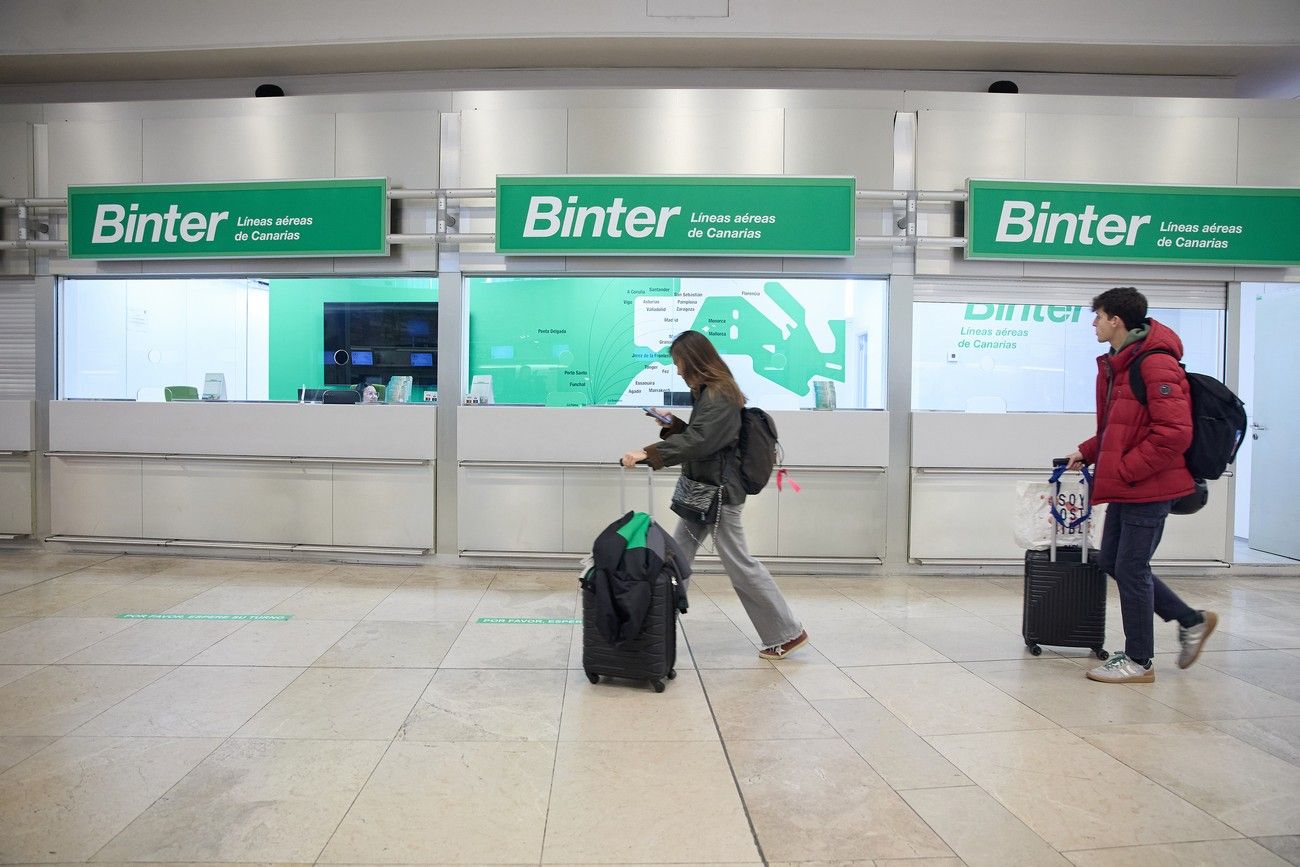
<point>180,392</point>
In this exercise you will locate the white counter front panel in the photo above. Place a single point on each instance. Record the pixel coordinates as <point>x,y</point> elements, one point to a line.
<point>969,516</point>
<point>203,428</point>
<point>996,440</point>
<point>96,497</point>
<point>15,495</point>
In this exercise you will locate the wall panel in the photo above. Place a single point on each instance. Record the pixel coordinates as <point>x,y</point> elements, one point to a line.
<point>240,148</point>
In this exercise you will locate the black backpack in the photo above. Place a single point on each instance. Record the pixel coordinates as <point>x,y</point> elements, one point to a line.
<point>1218,419</point>
<point>758,449</point>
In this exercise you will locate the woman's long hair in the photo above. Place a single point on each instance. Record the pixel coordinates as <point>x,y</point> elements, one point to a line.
<point>700,364</point>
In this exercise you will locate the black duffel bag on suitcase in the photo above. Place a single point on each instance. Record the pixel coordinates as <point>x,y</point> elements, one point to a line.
<point>1065,589</point>
<point>631,596</point>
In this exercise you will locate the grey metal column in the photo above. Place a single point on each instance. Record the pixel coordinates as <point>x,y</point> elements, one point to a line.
<point>452,327</point>
<point>47,355</point>
<point>898,388</point>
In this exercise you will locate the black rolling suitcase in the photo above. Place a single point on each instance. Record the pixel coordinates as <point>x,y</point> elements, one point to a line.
<point>1065,589</point>
<point>651,653</point>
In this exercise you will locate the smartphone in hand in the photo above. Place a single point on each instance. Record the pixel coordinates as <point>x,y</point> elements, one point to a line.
<point>661,417</point>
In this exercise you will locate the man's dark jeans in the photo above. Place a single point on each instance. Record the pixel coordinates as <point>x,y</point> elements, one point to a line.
<point>1128,542</point>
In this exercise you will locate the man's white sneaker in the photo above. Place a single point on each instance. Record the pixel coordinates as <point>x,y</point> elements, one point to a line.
<point>1120,669</point>
<point>1192,638</point>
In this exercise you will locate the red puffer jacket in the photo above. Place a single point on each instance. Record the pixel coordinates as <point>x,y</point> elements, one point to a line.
<point>1138,450</point>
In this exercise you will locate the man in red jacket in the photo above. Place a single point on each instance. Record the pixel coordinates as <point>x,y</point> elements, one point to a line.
<point>1140,471</point>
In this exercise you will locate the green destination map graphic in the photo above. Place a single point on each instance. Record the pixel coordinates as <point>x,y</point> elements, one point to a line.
<point>594,341</point>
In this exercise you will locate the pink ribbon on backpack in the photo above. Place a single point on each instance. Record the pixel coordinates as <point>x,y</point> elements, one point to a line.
<point>783,474</point>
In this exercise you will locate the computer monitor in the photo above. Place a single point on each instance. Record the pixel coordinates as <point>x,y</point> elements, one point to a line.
<point>342,395</point>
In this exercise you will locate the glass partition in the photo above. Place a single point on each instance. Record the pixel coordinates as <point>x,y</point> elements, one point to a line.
<point>580,341</point>
<point>277,339</point>
<point>990,357</point>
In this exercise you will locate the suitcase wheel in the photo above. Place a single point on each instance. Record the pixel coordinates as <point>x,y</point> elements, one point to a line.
<point>1035,649</point>
<point>672,674</point>
<point>1101,653</point>
<point>594,678</point>
<point>658,685</point>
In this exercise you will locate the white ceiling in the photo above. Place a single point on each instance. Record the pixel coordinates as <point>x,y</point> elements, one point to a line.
<point>1254,43</point>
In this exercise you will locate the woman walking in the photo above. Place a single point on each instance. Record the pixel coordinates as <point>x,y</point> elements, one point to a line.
<point>705,449</point>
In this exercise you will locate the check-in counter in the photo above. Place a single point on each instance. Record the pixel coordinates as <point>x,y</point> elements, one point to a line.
<point>17,467</point>
<point>540,482</point>
<point>279,476</point>
<point>965,470</point>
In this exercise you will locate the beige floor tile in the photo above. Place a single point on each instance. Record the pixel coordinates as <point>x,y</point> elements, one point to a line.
<point>50,639</point>
<point>530,579</point>
<point>964,638</point>
<point>1271,627</point>
<point>1239,853</point>
<point>283,643</point>
<point>845,644</point>
<point>902,600</point>
<point>818,606</point>
<point>130,566</point>
<point>130,599</point>
<point>919,862</point>
<point>331,603</point>
<point>1059,691</point>
<point>1277,736</point>
<point>980,830</point>
<point>717,644</point>
<point>236,599</point>
<point>818,800</point>
<point>252,800</point>
<point>898,754</point>
<point>10,673</point>
<point>194,701</point>
<point>1246,788</point>
<point>761,705</point>
<point>66,802</point>
<point>15,749</point>
<point>428,602</point>
<point>48,597</point>
<point>1202,693</point>
<point>704,820</point>
<point>528,603</point>
<point>1074,795</point>
<point>1273,670</point>
<point>945,699</point>
<point>7,623</point>
<point>509,645</point>
<point>1287,848</point>
<point>611,711</point>
<point>341,704</point>
<point>388,644</point>
<point>450,803</point>
<point>355,575</point>
<point>986,599</point>
<point>818,682</point>
<point>488,705</point>
<point>58,698</point>
<point>157,642</point>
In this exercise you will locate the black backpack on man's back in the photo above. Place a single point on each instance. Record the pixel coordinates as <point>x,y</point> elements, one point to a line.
<point>757,447</point>
<point>1218,419</point>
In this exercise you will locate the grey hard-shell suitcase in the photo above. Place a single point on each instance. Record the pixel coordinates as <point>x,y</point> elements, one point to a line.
<point>652,655</point>
<point>1065,589</point>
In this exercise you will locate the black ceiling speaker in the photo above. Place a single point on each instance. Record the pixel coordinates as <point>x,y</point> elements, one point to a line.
<point>1004,86</point>
<point>269,90</point>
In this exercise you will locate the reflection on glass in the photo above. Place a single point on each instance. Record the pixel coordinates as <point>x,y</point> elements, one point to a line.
<point>994,357</point>
<point>604,341</point>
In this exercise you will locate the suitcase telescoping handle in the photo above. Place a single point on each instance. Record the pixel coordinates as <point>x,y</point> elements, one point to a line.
<point>649,487</point>
<point>1058,469</point>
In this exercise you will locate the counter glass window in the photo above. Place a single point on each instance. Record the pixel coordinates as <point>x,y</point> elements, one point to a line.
<point>993,357</point>
<point>278,339</point>
<point>603,341</point>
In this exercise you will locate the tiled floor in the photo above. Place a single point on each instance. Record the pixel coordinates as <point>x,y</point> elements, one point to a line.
<point>383,724</point>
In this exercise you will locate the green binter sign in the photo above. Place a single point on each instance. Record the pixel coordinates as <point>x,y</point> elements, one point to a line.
<point>341,217</point>
<point>675,216</point>
<point>1171,225</point>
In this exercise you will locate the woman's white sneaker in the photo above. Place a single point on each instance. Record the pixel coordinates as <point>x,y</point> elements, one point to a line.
<point>1120,669</point>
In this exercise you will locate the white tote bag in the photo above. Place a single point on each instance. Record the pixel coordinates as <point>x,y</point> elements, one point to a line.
<point>1034,519</point>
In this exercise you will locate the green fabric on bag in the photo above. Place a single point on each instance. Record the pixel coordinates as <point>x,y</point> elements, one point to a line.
<point>634,531</point>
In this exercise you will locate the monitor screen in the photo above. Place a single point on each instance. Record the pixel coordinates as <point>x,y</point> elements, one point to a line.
<point>363,356</point>
<point>421,359</point>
